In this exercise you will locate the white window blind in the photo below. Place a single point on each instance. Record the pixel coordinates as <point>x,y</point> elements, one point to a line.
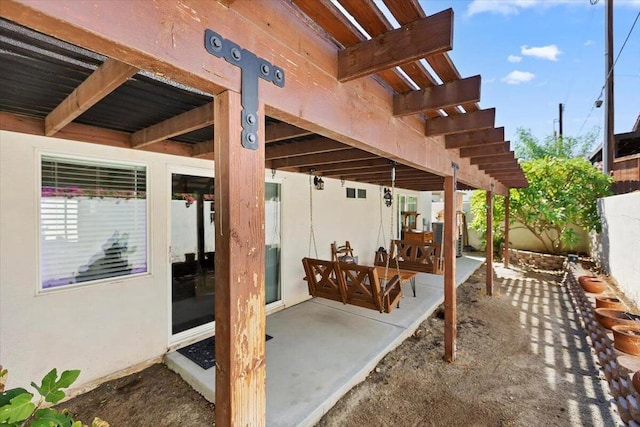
<point>93,221</point>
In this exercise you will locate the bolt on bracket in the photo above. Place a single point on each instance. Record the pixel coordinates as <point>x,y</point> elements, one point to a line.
<point>252,68</point>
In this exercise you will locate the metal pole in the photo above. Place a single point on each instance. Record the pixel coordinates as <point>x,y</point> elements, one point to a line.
<point>560,111</point>
<point>608,144</point>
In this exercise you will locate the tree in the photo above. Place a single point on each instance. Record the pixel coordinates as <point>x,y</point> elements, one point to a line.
<point>562,192</point>
<point>528,147</point>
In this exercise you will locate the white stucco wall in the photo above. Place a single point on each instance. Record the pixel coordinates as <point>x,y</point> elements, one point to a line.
<point>619,243</point>
<point>107,327</point>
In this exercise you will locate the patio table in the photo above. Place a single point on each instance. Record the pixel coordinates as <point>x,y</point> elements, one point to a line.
<point>405,275</point>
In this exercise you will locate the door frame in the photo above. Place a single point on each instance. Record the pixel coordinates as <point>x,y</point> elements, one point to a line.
<point>208,329</point>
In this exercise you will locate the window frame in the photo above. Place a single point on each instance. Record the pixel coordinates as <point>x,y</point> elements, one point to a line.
<point>104,160</point>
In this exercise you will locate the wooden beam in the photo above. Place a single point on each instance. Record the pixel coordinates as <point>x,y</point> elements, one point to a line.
<point>489,234</point>
<point>505,255</point>
<point>496,158</point>
<point>240,275</point>
<point>507,175</point>
<point>358,164</point>
<point>450,309</point>
<point>362,170</point>
<point>178,125</point>
<point>104,80</point>
<point>402,173</point>
<point>319,159</point>
<point>203,149</point>
<point>272,30</point>
<point>307,147</point>
<point>486,149</point>
<point>437,97</point>
<point>482,119</point>
<point>275,132</point>
<point>420,38</point>
<point>476,138</point>
<point>501,168</point>
<point>91,134</point>
<point>282,131</point>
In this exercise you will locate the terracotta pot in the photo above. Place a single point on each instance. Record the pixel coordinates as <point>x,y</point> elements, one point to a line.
<point>605,301</point>
<point>626,338</point>
<point>584,278</point>
<point>593,285</point>
<point>636,381</point>
<point>608,317</point>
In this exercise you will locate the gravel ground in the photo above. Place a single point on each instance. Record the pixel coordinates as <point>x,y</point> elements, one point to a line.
<point>523,360</point>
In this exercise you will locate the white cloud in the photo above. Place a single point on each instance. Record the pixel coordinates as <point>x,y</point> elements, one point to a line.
<point>588,42</point>
<point>517,77</point>
<point>507,7</point>
<point>514,7</point>
<point>514,58</point>
<point>550,52</point>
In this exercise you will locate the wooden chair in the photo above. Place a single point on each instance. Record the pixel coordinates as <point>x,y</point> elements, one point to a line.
<point>322,279</point>
<point>337,252</point>
<point>362,287</point>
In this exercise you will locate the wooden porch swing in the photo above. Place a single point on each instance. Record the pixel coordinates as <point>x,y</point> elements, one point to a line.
<point>349,282</point>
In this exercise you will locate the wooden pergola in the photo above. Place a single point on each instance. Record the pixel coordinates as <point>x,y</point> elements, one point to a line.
<point>363,84</point>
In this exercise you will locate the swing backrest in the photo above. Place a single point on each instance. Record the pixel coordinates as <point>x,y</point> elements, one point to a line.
<point>322,279</point>
<point>414,256</point>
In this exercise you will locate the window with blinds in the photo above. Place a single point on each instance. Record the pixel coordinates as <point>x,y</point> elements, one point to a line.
<point>93,221</point>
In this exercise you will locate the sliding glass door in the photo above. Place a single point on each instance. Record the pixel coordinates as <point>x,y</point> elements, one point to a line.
<point>192,254</point>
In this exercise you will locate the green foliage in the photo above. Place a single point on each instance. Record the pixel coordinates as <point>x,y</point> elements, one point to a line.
<point>17,408</point>
<point>51,389</point>
<point>562,192</point>
<point>479,209</point>
<point>528,147</point>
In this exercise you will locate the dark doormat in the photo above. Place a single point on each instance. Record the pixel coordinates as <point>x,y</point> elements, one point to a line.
<point>203,353</point>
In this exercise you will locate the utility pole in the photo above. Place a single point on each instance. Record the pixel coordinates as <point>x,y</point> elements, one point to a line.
<point>608,145</point>
<point>560,111</point>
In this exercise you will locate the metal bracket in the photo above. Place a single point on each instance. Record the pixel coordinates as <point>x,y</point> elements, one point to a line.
<point>455,168</point>
<point>252,67</point>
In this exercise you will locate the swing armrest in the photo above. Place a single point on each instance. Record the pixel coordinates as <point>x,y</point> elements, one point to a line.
<point>392,293</point>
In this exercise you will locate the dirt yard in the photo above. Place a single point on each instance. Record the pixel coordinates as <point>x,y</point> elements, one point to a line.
<point>523,360</point>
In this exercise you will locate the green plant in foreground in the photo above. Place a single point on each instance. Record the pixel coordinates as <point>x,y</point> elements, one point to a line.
<point>17,408</point>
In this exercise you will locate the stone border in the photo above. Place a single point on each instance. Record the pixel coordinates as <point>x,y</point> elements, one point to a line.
<point>537,260</point>
<point>618,367</point>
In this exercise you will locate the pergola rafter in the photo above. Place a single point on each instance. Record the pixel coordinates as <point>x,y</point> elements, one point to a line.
<point>478,120</point>
<point>487,149</point>
<point>476,138</point>
<point>107,78</point>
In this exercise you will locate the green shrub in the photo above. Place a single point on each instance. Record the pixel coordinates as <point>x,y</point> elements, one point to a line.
<point>17,408</point>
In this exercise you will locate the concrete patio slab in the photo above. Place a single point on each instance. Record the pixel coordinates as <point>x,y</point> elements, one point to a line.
<point>321,349</point>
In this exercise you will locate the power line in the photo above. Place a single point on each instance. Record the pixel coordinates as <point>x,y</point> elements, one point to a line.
<point>620,52</point>
<point>610,70</point>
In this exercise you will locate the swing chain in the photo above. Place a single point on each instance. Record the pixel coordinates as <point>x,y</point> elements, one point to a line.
<point>312,236</point>
<point>393,188</point>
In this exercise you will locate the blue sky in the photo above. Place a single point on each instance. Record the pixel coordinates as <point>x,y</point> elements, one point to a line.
<point>535,54</point>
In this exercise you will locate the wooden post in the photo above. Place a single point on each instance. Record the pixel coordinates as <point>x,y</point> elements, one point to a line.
<point>449,270</point>
<point>609,144</point>
<point>505,255</point>
<point>490,243</point>
<point>239,262</point>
